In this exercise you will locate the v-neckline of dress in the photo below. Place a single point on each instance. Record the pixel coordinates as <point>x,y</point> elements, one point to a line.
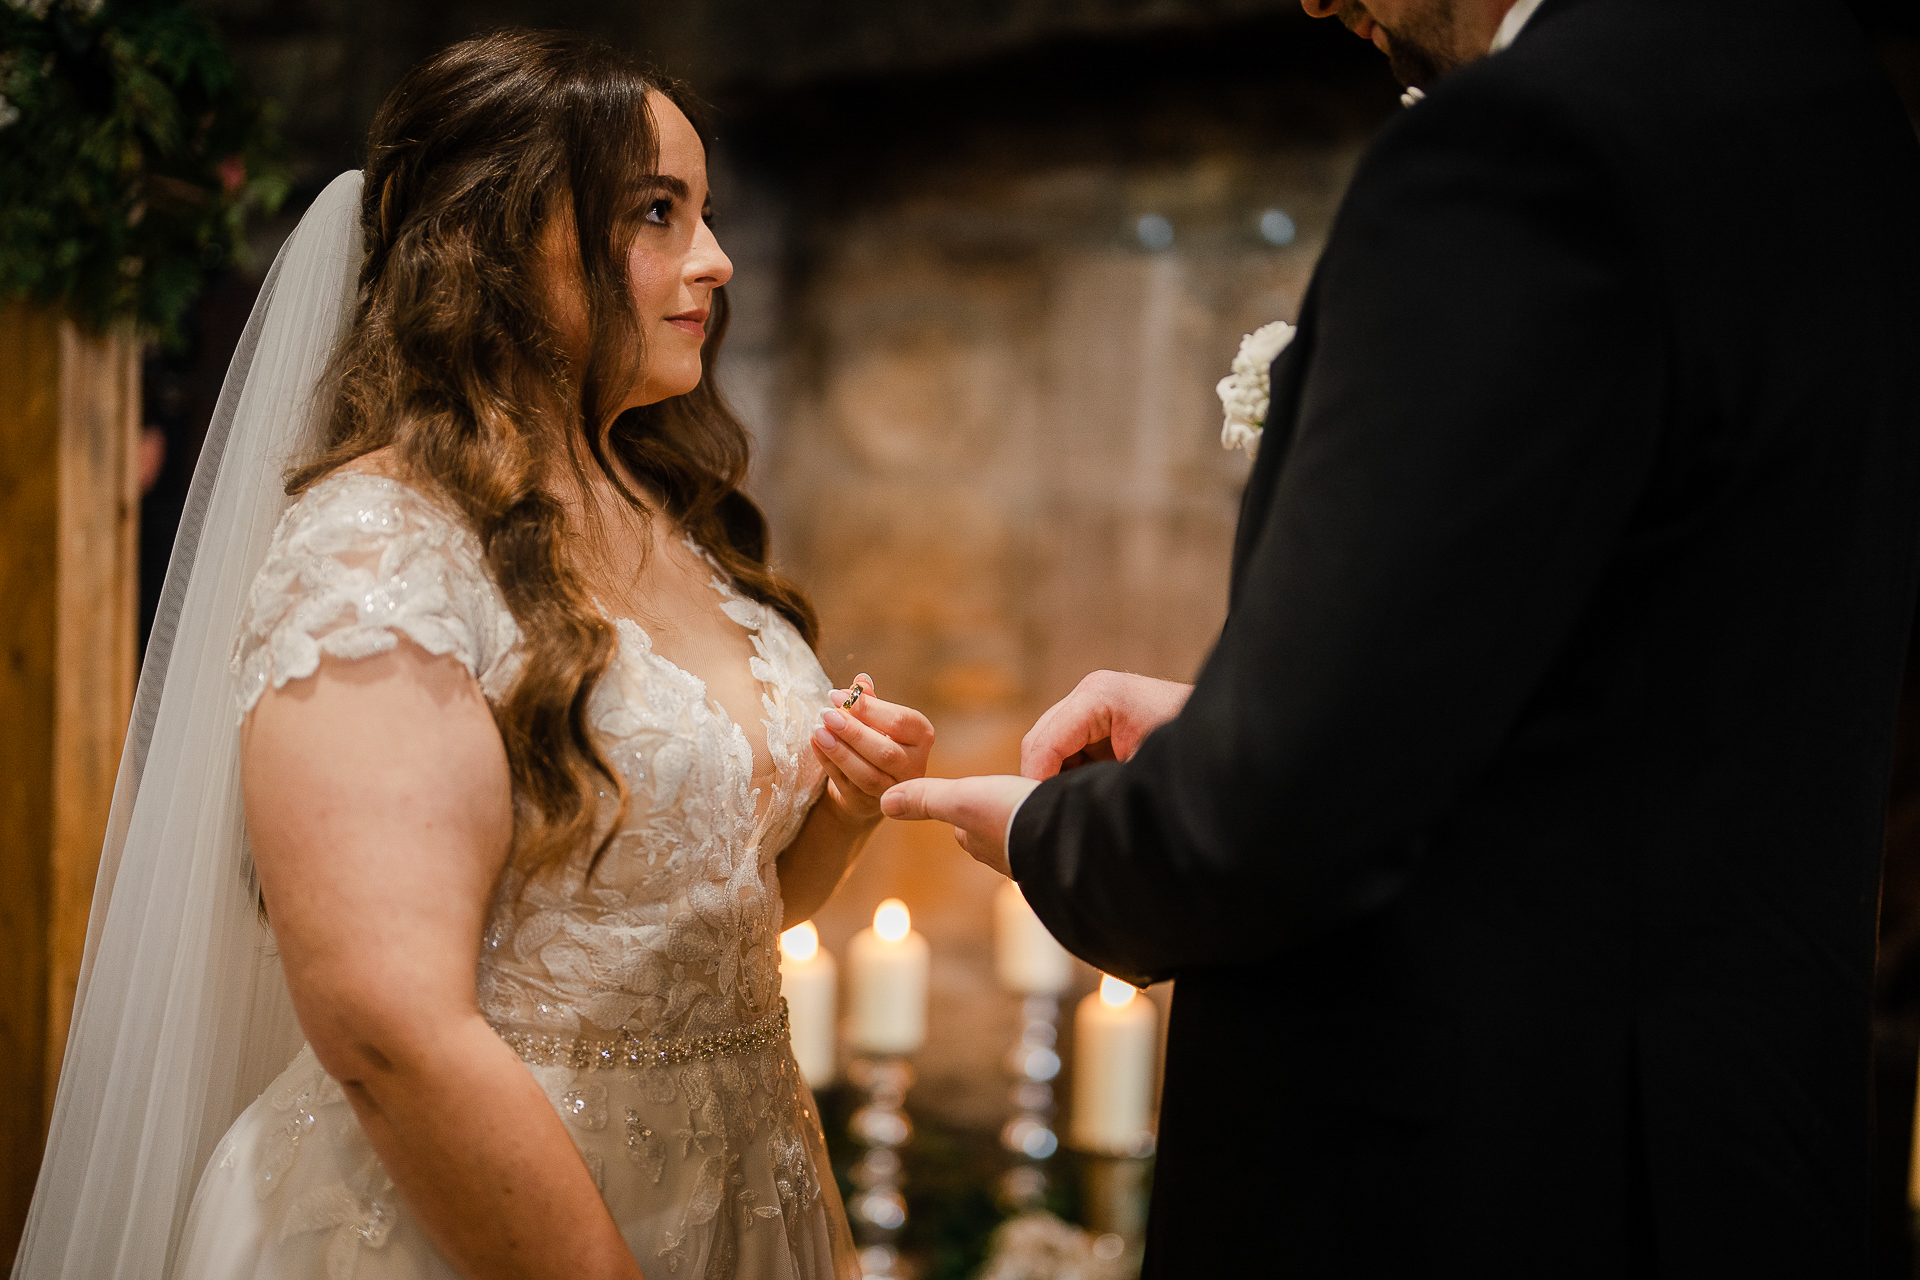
<point>719,585</point>
<point>777,779</point>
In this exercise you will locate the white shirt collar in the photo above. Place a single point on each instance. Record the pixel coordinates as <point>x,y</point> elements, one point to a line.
<point>1517,17</point>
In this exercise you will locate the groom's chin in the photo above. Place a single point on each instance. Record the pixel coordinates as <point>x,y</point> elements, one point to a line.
<point>1413,66</point>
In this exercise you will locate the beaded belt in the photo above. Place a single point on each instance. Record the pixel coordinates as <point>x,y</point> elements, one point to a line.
<point>630,1051</point>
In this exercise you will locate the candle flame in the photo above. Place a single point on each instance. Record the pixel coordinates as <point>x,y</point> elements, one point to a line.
<point>1115,992</point>
<point>891,921</point>
<point>800,942</point>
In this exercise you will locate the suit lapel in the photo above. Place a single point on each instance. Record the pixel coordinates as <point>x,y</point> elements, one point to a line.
<point>1283,408</point>
<point>1288,378</point>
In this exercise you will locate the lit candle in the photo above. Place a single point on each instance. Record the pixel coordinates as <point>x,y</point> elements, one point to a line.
<point>1913,1160</point>
<point>1114,1031</point>
<point>807,976</point>
<point>1029,961</point>
<point>889,963</point>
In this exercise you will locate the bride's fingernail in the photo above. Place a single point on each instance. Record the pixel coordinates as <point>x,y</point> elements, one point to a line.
<point>823,738</point>
<point>834,720</point>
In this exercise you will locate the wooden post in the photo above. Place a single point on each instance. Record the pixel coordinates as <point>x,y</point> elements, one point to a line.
<point>69,580</point>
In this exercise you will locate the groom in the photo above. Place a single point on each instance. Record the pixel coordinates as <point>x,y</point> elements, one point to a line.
<point>1516,850</point>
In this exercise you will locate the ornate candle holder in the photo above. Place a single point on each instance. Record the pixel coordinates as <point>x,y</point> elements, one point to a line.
<point>1113,1189</point>
<point>1028,1136</point>
<point>878,1210</point>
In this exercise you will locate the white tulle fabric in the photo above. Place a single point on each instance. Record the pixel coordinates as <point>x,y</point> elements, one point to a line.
<point>182,1015</point>
<point>712,1167</point>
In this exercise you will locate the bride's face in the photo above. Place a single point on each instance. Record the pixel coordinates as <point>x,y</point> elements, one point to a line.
<point>675,264</point>
<point>672,270</point>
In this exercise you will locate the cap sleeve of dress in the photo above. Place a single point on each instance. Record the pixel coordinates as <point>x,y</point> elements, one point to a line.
<point>358,562</point>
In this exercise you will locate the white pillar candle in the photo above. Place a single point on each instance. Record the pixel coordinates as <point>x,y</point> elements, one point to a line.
<point>1114,1033</point>
<point>807,979</point>
<point>1029,961</point>
<point>889,966</point>
<point>1913,1165</point>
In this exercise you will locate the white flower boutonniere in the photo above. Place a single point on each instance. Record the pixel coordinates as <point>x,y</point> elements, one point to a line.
<point>1244,393</point>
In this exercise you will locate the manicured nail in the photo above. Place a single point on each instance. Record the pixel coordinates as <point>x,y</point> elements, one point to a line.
<point>824,739</point>
<point>834,720</point>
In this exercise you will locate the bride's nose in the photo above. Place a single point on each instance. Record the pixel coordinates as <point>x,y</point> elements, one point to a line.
<point>708,264</point>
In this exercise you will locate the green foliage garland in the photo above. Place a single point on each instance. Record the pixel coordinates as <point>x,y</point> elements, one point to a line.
<point>132,152</point>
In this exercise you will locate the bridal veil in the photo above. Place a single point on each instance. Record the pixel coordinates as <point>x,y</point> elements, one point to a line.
<point>182,1016</point>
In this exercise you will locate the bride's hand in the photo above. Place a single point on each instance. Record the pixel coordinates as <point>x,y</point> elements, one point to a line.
<point>868,747</point>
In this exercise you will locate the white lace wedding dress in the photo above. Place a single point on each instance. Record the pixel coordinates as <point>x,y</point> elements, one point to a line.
<point>645,999</point>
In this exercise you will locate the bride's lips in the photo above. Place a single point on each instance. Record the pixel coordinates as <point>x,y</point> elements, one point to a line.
<point>693,322</point>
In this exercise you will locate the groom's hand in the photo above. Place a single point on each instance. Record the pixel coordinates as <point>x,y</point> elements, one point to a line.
<point>1107,716</point>
<point>979,809</point>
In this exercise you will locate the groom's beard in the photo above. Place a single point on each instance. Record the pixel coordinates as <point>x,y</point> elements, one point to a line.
<point>1421,48</point>
<point>1415,64</point>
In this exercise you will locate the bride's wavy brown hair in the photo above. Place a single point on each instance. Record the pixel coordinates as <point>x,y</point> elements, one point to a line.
<point>452,360</point>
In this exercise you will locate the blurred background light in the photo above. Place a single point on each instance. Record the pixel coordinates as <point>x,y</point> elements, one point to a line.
<point>1277,228</point>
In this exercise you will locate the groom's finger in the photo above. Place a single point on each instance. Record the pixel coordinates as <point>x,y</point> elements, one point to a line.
<point>923,798</point>
<point>1093,753</point>
<point>978,808</point>
<point>981,803</point>
<point>1069,727</point>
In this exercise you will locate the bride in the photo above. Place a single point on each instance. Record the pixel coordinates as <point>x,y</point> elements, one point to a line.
<point>534,755</point>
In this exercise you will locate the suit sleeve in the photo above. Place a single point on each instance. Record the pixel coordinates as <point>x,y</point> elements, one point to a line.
<point>1478,416</point>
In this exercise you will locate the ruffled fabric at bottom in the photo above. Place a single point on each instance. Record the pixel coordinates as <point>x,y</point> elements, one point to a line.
<point>712,1169</point>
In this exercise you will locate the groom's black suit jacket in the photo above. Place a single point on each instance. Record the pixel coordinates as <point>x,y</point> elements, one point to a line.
<point>1516,854</point>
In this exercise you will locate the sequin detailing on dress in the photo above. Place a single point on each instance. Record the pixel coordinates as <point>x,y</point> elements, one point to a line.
<point>628,1052</point>
<point>358,564</point>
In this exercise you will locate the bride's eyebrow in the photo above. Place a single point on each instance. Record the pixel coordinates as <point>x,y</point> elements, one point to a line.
<point>658,182</point>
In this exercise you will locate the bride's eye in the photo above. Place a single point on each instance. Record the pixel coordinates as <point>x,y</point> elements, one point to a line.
<point>659,213</point>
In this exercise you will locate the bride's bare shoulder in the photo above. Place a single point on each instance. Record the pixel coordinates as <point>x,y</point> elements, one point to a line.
<point>382,476</point>
<point>384,462</point>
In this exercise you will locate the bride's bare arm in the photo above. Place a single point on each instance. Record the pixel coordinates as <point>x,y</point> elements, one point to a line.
<point>867,747</point>
<point>378,806</point>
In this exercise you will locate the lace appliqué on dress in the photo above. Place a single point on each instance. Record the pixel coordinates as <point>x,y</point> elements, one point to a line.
<point>358,562</point>
<point>359,1211</point>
